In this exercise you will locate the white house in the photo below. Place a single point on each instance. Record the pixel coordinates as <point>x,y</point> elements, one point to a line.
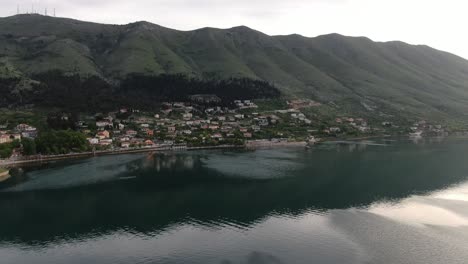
<point>93,141</point>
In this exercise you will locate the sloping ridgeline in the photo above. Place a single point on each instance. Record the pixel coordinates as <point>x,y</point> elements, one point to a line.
<point>379,78</point>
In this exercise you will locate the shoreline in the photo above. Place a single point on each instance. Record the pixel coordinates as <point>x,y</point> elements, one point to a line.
<point>261,144</point>
<point>39,159</point>
<point>251,145</point>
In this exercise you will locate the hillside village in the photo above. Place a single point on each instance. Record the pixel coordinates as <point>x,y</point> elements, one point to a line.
<point>206,123</point>
<point>179,123</point>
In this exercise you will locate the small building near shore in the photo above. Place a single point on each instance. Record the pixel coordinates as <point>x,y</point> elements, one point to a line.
<point>103,134</point>
<point>93,141</point>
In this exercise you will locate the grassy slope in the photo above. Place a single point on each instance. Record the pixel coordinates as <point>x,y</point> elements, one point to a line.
<point>356,73</point>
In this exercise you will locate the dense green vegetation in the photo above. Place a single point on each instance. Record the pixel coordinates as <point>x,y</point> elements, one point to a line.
<point>13,117</point>
<point>6,149</point>
<point>355,74</point>
<point>95,94</point>
<point>29,146</point>
<point>179,88</point>
<point>61,142</point>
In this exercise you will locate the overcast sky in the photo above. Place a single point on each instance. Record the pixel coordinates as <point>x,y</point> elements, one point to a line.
<point>437,23</point>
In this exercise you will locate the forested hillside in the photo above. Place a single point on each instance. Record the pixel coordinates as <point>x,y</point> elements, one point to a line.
<point>356,73</point>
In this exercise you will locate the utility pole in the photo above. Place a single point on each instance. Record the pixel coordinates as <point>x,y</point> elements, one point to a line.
<point>17,10</point>
<point>54,12</point>
<point>45,13</point>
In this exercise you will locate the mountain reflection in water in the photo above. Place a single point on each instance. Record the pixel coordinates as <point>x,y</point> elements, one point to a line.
<point>341,203</point>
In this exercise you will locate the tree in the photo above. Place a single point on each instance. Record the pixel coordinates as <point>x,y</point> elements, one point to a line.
<point>7,149</point>
<point>5,153</point>
<point>29,146</point>
<point>61,142</point>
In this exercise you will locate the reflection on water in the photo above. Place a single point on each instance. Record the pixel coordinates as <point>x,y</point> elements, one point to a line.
<point>370,202</point>
<point>442,208</point>
<point>77,173</point>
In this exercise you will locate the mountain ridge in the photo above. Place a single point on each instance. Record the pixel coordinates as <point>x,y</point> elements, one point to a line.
<point>392,76</point>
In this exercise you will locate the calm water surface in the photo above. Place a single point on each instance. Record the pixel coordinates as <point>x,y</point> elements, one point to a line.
<point>388,202</point>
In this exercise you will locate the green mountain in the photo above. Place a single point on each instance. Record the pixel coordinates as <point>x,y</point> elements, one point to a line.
<point>349,72</point>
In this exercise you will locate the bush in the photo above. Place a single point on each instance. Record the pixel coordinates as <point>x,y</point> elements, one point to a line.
<point>7,149</point>
<point>29,146</point>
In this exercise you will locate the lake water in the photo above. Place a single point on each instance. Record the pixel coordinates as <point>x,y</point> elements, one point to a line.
<point>385,202</point>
